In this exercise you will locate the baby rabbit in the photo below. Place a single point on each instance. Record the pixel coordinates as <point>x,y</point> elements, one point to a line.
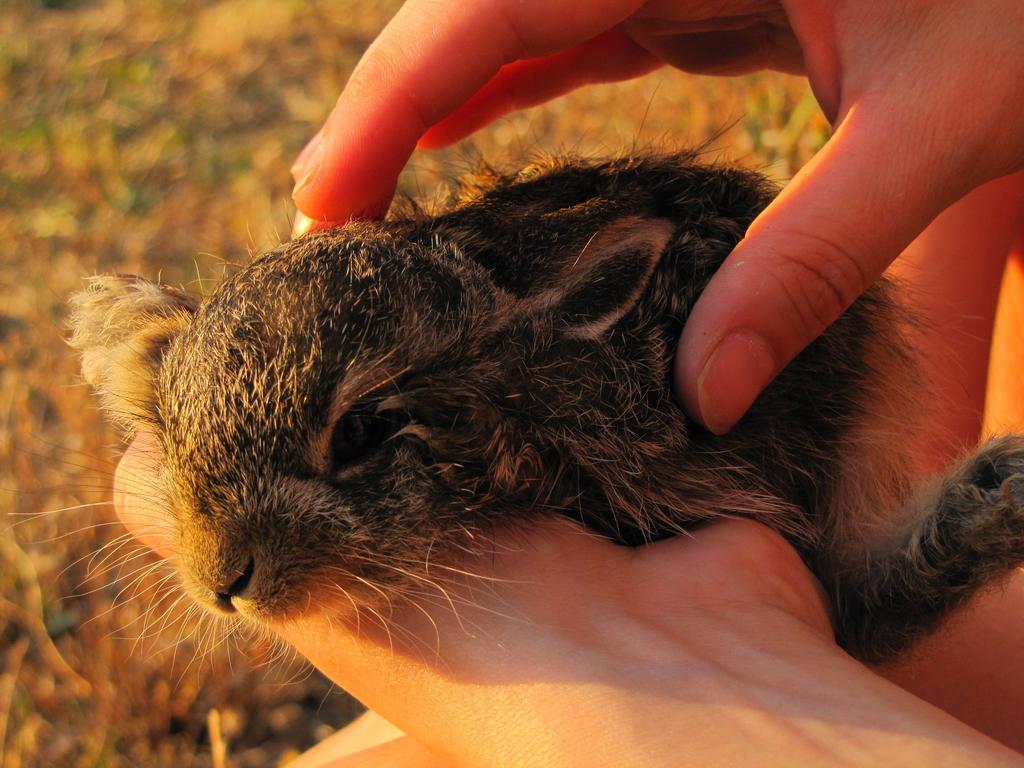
<point>362,401</point>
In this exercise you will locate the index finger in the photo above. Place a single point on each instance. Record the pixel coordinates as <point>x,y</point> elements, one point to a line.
<point>429,60</point>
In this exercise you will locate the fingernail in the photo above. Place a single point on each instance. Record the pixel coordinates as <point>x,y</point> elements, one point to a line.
<point>734,375</point>
<point>301,225</point>
<point>299,166</point>
<point>311,167</point>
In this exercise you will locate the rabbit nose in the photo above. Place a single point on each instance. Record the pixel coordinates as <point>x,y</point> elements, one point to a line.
<point>233,588</point>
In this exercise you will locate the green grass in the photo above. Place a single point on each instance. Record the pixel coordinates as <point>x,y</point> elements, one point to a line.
<point>156,139</point>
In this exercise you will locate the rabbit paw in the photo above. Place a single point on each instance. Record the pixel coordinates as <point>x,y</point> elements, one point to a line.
<point>995,474</point>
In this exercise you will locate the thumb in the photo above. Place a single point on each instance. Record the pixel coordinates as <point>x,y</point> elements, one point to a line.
<point>831,232</point>
<point>137,495</point>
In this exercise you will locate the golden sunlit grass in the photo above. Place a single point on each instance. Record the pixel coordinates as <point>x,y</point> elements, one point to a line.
<point>155,138</point>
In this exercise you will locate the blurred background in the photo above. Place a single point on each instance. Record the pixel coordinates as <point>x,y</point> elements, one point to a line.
<point>155,138</point>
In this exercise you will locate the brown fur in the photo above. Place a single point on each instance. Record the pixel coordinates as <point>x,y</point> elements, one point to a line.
<point>515,352</point>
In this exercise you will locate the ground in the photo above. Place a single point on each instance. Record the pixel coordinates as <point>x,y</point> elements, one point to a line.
<point>155,138</point>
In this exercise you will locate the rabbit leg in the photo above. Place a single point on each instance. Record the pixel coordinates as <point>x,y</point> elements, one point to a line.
<point>971,535</point>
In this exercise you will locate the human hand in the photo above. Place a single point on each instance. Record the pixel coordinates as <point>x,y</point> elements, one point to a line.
<point>925,98</point>
<point>560,648</point>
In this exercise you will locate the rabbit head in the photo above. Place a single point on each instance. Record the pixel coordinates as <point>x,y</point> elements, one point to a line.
<point>364,401</point>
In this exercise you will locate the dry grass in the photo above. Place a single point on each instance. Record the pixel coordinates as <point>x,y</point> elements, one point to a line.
<point>156,138</point>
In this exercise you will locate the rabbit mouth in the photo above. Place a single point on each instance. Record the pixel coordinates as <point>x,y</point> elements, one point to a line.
<point>267,593</point>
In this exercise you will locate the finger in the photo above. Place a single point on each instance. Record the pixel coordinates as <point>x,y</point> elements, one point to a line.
<point>365,732</point>
<point>352,747</point>
<point>609,57</point>
<point>303,224</point>
<point>427,62</point>
<point>403,751</point>
<point>136,501</point>
<point>726,52</point>
<point>810,254</point>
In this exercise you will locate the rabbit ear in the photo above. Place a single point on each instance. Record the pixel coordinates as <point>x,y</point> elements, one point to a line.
<point>121,326</point>
<point>604,281</point>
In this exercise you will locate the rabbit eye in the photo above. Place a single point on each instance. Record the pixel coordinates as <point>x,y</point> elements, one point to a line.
<point>357,434</point>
